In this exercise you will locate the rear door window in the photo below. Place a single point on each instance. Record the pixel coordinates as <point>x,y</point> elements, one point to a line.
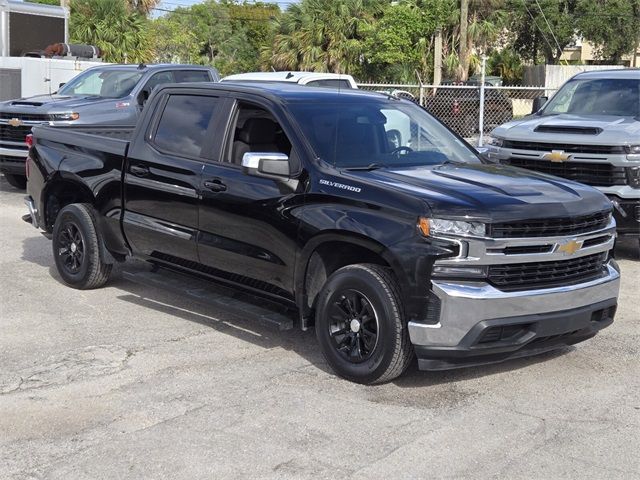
<point>329,83</point>
<point>189,76</point>
<point>183,124</point>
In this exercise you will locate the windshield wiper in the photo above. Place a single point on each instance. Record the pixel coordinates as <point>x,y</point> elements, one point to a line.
<point>367,168</point>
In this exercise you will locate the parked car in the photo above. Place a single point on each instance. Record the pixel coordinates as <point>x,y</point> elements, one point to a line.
<point>588,132</point>
<point>295,193</point>
<point>106,94</point>
<point>459,108</point>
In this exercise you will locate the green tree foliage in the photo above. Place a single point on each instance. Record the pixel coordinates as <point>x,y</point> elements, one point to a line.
<point>224,34</point>
<point>542,29</point>
<point>121,34</point>
<point>400,43</point>
<point>612,25</point>
<point>323,35</point>
<point>506,63</point>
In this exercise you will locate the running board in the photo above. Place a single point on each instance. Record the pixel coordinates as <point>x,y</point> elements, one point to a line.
<point>239,303</point>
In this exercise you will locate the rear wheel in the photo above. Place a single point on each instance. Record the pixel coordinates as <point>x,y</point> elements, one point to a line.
<point>76,248</point>
<point>360,325</point>
<point>16,181</point>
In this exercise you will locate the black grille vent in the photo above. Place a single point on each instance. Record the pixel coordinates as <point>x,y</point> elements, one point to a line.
<point>595,174</point>
<point>525,276</point>
<point>550,227</point>
<point>14,134</point>
<point>26,117</point>
<point>566,147</point>
<point>568,129</point>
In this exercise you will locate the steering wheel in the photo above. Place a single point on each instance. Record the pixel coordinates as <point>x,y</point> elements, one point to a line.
<point>401,148</point>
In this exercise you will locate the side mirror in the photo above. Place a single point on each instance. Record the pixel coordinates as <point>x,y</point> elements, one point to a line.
<point>62,84</point>
<point>266,164</point>
<point>538,103</point>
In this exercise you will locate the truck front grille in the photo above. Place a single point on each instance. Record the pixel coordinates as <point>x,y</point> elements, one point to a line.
<point>528,276</point>
<point>595,174</point>
<point>14,134</point>
<point>551,227</point>
<point>26,117</point>
<point>565,147</point>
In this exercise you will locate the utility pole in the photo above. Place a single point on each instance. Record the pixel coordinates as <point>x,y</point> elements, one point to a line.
<point>463,53</point>
<point>437,58</point>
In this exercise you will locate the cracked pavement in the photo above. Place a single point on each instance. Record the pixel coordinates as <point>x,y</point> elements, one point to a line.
<point>135,382</point>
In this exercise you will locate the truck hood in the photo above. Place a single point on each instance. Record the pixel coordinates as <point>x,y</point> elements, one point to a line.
<point>489,193</point>
<point>609,130</point>
<point>55,103</point>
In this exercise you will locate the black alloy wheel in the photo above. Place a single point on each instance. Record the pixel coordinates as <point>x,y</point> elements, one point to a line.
<point>353,326</point>
<point>71,247</point>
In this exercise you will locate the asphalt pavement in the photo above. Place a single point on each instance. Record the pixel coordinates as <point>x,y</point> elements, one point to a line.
<point>138,382</point>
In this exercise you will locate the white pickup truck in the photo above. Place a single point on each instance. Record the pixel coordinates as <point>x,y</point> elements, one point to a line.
<point>589,131</point>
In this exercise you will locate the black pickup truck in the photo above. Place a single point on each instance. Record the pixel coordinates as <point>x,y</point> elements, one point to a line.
<point>297,195</point>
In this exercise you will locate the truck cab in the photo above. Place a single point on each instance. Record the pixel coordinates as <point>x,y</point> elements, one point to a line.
<point>588,132</point>
<point>105,94</point>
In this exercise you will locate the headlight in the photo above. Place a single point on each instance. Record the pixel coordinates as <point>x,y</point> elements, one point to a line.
<point>57,117</point>
<point>431,226</point>
<point>633,149</point>
<point>496,141</point>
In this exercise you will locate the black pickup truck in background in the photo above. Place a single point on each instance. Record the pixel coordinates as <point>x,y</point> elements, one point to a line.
<point>297,195</point>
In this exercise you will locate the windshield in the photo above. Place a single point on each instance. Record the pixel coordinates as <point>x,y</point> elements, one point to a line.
<point>371,133</point>
<point>102,83</point>
<point>605,96</point>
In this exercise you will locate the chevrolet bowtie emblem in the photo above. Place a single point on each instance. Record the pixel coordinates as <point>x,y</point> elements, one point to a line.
<point>556,156</point>
<point>15,122</point>
<point>569,247</point>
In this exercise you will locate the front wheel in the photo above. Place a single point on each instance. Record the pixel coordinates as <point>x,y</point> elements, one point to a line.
<point>76,248</point>
<point>360,325</point>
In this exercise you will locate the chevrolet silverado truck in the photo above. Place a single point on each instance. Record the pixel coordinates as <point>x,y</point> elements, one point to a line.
<point>295,194</point>
<point>588,132</point>
<point>106,94</point>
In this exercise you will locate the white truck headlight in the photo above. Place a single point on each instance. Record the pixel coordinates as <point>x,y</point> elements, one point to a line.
<point>435,226</point>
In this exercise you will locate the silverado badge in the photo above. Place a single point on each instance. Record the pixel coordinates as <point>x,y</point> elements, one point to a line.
<point>556,156</point>
<point>569,247</point>
<point>15,122</point>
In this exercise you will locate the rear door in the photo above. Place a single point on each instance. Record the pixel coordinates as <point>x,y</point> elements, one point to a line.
<point>162,176</point>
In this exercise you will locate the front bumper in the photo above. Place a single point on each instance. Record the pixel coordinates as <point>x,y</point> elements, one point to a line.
<point>12,160</point>
<point>480,324</point>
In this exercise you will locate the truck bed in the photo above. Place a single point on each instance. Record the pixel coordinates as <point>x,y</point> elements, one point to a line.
<point>105,138</point>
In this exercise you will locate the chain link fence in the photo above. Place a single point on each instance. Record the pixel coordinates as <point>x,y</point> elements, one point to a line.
<point>458,106</point>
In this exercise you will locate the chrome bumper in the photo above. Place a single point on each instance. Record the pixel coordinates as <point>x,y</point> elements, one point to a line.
<point>462,306</point>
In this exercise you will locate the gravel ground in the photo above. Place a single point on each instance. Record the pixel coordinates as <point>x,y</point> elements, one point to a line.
<point>134,382</point>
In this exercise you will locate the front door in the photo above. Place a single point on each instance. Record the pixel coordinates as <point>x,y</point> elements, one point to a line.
<point>248,225</point>
<point>162,178</point>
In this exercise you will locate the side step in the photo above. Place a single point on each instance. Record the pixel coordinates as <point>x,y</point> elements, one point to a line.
<point>266,313</point>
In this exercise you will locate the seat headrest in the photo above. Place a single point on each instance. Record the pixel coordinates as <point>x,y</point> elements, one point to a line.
<point>258,130</point>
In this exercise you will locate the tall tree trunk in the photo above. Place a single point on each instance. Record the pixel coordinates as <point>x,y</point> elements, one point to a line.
<point>464,53</point>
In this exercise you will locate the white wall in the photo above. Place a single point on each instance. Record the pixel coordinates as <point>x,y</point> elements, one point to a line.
<point>36,71</point>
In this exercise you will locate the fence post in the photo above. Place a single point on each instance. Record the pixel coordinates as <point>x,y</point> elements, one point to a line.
<point>481,119</point>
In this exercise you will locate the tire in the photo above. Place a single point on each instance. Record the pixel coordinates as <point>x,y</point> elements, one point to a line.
<point>76,248</point>
<point>16,181</point>
<point>369,296</point>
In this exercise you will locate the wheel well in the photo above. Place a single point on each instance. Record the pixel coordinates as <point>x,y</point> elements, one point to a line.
<point>329,257</point>
<point>59,195</point>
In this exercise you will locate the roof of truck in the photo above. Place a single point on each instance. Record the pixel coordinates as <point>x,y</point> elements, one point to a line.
<point>278,91</point>
<point>287,76</point>
<point>622,73</point>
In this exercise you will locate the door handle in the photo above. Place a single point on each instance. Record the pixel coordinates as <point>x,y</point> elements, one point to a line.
<point>215,185</point>
<point>139,171</point>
